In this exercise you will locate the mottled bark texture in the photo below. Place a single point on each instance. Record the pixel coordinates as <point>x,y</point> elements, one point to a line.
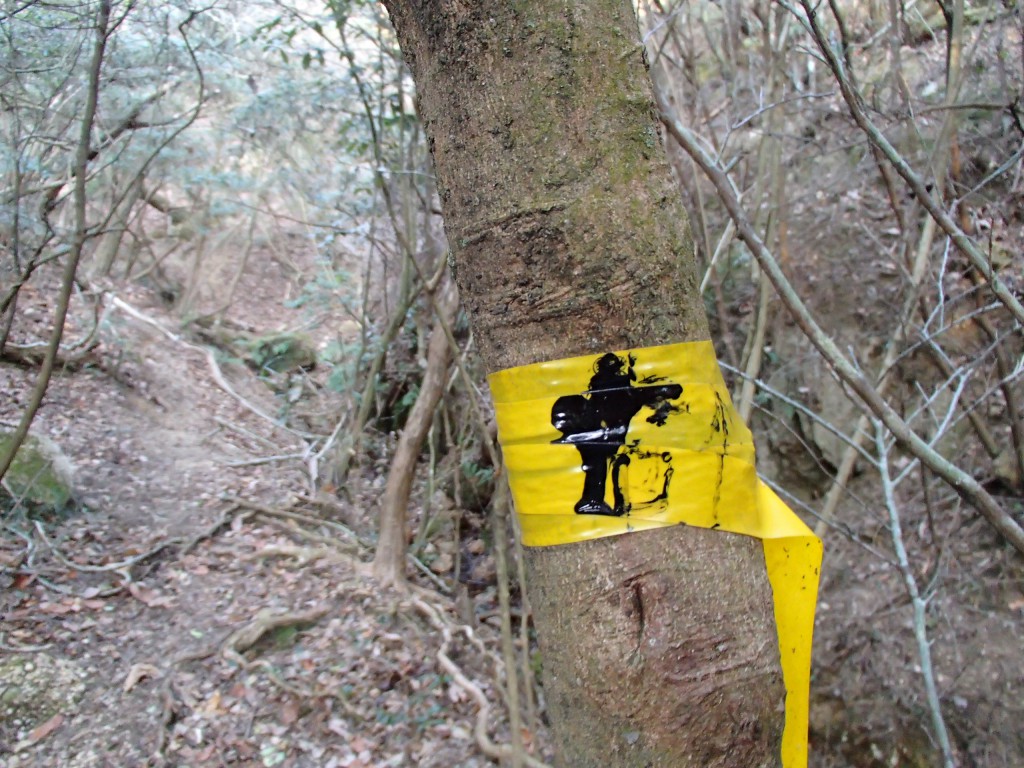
<point>659,648</point>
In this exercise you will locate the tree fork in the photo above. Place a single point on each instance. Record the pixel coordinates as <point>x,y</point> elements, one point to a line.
<point>569,238</point>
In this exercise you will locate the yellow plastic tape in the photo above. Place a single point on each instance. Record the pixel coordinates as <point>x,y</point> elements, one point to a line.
<point>632,440</point>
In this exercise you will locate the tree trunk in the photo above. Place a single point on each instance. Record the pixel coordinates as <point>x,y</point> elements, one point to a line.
<point>569,239</point>
<point>110,242</point>
<point>393,543</point>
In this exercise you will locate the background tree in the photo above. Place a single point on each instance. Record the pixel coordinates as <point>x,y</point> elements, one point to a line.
<point>66,122</point>
<point>568,240</point>
<point>94,31</point>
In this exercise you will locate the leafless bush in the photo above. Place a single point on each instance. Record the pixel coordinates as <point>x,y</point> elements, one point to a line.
<point>864,162</point>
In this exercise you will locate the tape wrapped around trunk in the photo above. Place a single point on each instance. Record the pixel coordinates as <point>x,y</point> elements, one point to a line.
<point>625,441</point>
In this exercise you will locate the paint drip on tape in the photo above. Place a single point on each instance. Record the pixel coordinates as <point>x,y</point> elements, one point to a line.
<point>648,438</point>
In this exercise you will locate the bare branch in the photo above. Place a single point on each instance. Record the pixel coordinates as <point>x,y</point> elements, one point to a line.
<point>964,484</point>
<point>913,180</point>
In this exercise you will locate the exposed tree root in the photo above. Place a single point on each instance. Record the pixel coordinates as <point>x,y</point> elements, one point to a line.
<point>305,555</point>
<point>268,511</point>
<point>273,512</point>
<point>123,567</point>
<point>228,516</point>
<point>241,640</point>
<point>230,648</point>
<point>487,746</point>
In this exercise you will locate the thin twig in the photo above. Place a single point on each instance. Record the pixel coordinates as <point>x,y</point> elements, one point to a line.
<point>802,408</point>
<point>919,603</point>
<point>263,460</point>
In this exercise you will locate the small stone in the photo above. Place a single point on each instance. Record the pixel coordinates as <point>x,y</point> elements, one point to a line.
<point>443,563</point>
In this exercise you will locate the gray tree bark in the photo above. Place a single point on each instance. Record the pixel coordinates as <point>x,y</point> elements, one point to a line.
<point>659,648</point>
<point>110,243</point>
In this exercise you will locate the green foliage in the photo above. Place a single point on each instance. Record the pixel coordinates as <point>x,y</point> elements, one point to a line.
<point>339,380</point>
<point>477,485</point>
<point>327,290</point>
<point>406,402</point>
<point>40,478</point>
<point>286,636</point>
<point>281,353</point>
<point>473,471</point>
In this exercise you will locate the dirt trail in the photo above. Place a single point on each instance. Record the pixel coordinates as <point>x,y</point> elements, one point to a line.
<point>164,624</point>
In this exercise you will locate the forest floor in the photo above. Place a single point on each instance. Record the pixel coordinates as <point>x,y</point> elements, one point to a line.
<point>201,606</point>
<point>198,607</point>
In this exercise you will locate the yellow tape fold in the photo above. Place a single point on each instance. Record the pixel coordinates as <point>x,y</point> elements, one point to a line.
<point>631,440</point>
